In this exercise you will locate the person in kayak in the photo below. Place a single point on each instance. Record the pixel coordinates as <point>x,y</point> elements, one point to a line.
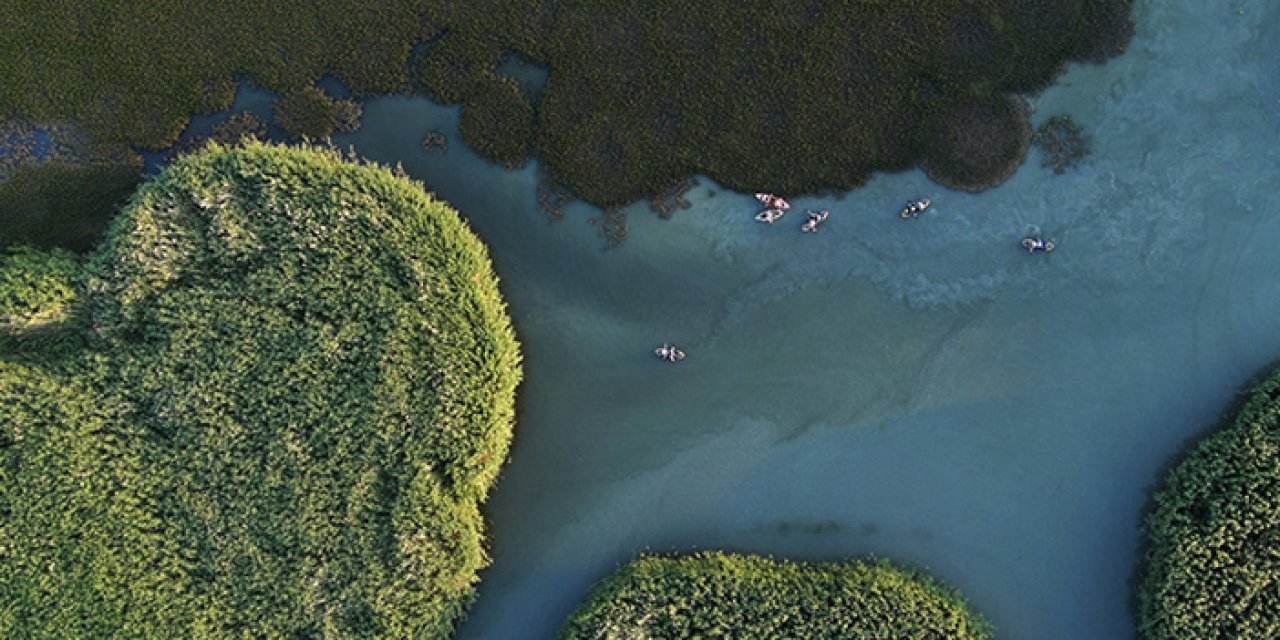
<point>914,208</point>
<point>669,352</point>
<point>815,218</point>
<point>1032,244</point>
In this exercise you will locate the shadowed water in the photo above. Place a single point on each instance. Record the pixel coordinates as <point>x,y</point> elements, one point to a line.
<point>923,389</point>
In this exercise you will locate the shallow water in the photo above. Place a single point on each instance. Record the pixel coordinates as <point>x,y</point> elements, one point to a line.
<point>921,390</point>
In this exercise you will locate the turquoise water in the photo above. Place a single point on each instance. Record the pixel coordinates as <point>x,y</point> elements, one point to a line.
<point>922,390</point>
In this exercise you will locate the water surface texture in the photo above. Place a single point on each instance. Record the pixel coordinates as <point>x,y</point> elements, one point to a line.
<point>922,389</point>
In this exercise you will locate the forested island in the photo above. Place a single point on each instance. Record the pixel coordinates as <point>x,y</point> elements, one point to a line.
<point>1212,569</point>
<point>724,595</point>
<point>268,405</point>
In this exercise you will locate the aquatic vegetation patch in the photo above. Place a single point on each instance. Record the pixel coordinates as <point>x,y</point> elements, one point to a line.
<point>239,128</point>
<point>1063,142</point>
<point>612,226</point>
<point>435,141</point>
<point>739,596</point>
<point>312,114</point>
<point>1213,564</point>
<point>781,95</point>
<point>294,389</point>
<point>551,199</point>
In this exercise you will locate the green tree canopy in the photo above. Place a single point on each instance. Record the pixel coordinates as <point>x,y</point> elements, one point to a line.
<point>36,287</point>
<point>1213,566</point>
<point>296,391</point>
<point>720,595</point>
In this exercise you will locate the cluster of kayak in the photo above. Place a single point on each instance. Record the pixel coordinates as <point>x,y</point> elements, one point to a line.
<point>777,206</point>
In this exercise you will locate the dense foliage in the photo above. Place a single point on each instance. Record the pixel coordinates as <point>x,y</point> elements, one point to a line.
<point>718,595</point>
<point>297,388</point>
<point>783,95</point>
<point>311,113</point>
<point>499,122</point>
<point>1213,566</point>
<point>36,287</point>
<point>976,144</point>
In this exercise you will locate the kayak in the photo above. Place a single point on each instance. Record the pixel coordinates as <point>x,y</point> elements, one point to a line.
<point>770,215</point>
<point>815,218</point>
<point>1035,244</point>
<point>669,353</point>
<point>773,202</point>
<point>914,208</point>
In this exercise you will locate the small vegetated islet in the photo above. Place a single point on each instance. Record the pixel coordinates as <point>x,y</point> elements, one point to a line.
<point>723,595</point>
<point>310,113</point>
<point>293,390</point>
<point>1213,562</point>
<point>1064,143</point>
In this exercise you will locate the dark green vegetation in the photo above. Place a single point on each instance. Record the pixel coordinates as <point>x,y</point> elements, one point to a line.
<point>973,142</point>
<point>311,113</point>
<point>719,595</point>
<point>498,122</point>
<point>784,95</point>
<point>62,204</point>
<point>1213,567</point>
<point>1063,142</point>
<point>58,187</point>
<point>294,389</point>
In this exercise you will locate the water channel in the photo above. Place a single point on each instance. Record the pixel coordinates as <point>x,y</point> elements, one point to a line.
<point>921,390</point>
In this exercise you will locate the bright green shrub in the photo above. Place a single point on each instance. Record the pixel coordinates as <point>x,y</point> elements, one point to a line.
<point>1213,566</point>
<point>719,595</point>
<point>302,382</point>
<point>36,287</point>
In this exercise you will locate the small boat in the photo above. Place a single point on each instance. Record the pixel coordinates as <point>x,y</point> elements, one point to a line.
<point>914,207</point>
<point>815,218</point>
<point>773,202</point>
<point>1033,244</point>
<point>770,215</point>
<point>669,352</point>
